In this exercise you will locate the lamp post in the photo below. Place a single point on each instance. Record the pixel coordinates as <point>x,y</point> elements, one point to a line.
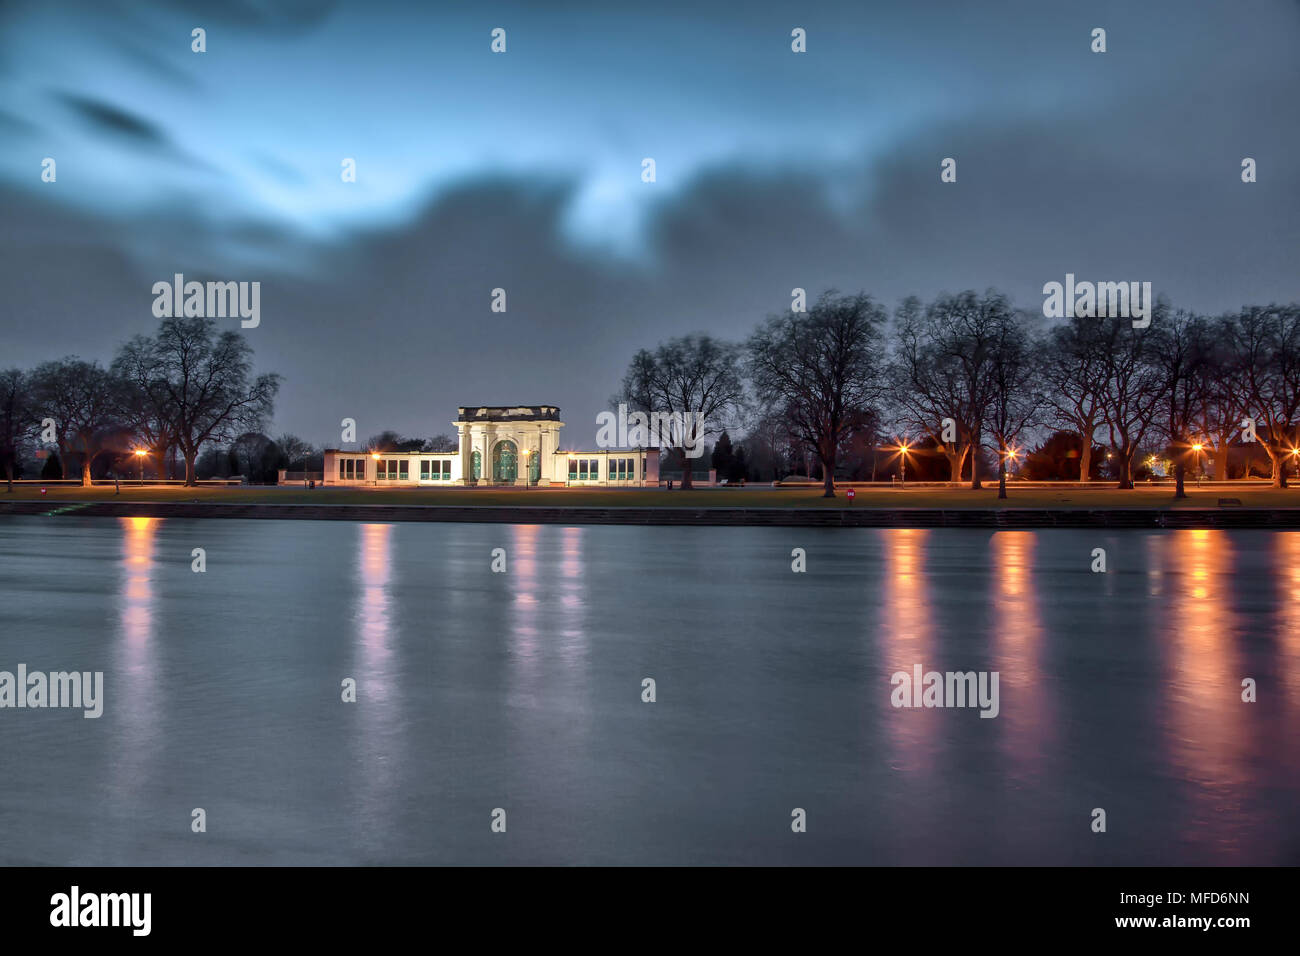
<point>902,453</point>
<point>140,455</point>
<point>1008,458</point>
<point>527,474</point>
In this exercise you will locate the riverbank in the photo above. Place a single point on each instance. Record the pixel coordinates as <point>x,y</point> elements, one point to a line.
<point>843,517</point>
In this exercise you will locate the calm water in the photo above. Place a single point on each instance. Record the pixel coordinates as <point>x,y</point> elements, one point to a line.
<point>523,691</point>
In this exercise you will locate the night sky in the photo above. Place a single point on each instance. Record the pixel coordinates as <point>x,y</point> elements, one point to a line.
<point>522,170</point>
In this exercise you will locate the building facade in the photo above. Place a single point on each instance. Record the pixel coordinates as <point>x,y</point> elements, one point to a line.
<point>498,445</point>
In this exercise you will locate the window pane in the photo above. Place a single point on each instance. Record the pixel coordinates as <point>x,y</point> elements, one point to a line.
<point>405,469</point>
<point>424,469</point>
<point>573,469</point>
<point>595,468</point>
<point>446,469</point>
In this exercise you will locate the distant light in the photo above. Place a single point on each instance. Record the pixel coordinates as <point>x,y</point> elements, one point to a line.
<point>140,451</point>
<point>374,455</point>
<point>1197,447</point>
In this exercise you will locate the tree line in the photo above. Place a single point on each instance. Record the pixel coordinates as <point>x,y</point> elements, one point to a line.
<point>973,377</point>
<point>184,388</point>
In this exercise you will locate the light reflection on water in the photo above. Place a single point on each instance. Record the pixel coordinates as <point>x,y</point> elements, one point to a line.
<point>376,706</point>
<point>479,690</point>
<point>1207,730</point>
<point>1027,723</point>
<point>907,625</point>
<point>136,691</point>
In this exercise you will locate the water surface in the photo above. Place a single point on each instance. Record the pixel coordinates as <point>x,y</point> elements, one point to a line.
<point>522,690</point>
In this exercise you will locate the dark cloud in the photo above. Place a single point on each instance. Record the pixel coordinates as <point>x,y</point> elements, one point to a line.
<point>103,117</point>
<point>393,327</point>
<point>1135,176</point>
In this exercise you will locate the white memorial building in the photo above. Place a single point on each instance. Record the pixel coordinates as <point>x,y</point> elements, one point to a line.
<point>499,445</point>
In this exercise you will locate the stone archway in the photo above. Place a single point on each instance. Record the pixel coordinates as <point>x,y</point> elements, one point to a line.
<point>505,462</point>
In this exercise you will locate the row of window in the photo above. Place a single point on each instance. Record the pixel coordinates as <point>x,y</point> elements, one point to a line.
<point>352,469</point>
<point>588,469</point>
<point>394,469</point>
<point>398,469</point>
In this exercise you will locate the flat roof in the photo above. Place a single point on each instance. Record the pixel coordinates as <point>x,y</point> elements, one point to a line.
<point>508,413</point>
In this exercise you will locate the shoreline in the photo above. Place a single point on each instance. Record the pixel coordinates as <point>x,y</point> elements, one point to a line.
<point>848,517</point>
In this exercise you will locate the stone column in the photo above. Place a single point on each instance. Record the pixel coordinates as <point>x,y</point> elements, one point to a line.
<point>466,456</point>
<point>544,457</point>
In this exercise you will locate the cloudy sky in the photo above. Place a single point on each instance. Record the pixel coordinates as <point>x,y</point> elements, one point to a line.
<point>522,171</point>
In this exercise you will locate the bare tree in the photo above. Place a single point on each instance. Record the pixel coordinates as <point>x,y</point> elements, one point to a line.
<point>1266,340</point>
<point>696,377</point>
<point>16,420</point>
<point>1182,354</point>
<point>145,399</point>
<point>1222,398</point>
<point>1073,364</point>
<point>84,399</point>
<point>440,442</point>
<point>204,381</point>
<point>1134,386</point>
<point>296,451</point>
<point>1016,396</point>
<point>943,369</point>
<point>827,367</point>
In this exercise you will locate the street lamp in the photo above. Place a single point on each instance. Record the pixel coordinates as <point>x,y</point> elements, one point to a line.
<point>527,474</point>
<point>140,454</point>
<point>902,452</point>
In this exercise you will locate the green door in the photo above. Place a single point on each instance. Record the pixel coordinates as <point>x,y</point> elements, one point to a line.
<point>505,459</point>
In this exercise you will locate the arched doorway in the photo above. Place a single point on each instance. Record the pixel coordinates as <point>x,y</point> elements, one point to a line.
<point>505,461</point>
<point>534,468</point>
<point>477,464</point>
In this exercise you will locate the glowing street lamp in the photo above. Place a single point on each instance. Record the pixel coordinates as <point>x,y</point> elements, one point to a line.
<point>140,453</point>
<point>902,452</point>
<point>527,474</point>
